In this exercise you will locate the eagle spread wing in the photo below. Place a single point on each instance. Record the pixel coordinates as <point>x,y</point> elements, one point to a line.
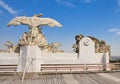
<point>48,22</point>
<point>34,21</point>
<point>14,22</point>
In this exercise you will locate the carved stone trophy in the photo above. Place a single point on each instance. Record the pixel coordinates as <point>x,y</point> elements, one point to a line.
<point>32,42</point>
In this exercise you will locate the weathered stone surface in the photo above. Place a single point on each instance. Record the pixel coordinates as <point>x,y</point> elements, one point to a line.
<point>34,36</point>
<point>12,48</point>
<point>53,47</point>
<point>100,45</point>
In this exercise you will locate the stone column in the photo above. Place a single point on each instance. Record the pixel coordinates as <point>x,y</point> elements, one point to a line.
<point>30,59</point>
<point>105,59</point>
<point>86,51</point>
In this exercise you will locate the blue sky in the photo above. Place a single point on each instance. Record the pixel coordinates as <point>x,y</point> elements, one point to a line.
<point>98,18</point>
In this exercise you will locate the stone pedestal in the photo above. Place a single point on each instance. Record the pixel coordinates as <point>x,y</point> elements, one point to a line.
<point>106,64</point>
<point>87,54</point>
<point>86,51</point>
<point>30,59</point>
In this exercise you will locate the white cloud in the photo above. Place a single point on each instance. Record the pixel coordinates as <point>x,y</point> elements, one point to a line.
<point>116,31</point>
<point>118,2</point>
<point>86,1</point>
<point>66,3</point>
<point>8,8</point>
<point>70,3</point>
<point>113,30</point>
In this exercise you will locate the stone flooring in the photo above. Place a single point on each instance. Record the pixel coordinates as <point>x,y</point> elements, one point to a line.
<point>93,78</point>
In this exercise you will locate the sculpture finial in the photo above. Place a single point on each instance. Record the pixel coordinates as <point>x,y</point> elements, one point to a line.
<point>38,15</point>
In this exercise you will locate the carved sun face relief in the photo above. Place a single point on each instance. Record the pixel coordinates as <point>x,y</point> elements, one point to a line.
<point>86,42</point>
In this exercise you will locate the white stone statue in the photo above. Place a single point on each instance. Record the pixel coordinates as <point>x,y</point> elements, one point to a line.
<point>76,46</point>
<point>100,45</point>
<point>35,24</point>
<point>12,48</point>
<point>53,48</point>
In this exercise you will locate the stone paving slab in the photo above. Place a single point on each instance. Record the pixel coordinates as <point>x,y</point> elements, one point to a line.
<point>108,76</point>
<point>70,79</point>
<point>96,78</point>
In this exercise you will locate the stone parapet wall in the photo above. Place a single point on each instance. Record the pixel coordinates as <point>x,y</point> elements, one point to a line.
<point>64,56</point>
<point>9,58</point>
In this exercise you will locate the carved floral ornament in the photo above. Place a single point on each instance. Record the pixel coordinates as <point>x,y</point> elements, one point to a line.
<point>86,42</point>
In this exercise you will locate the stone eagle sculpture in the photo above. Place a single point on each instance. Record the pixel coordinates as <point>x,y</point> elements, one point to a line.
<point>35,24</point>
<point>34,21</point>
